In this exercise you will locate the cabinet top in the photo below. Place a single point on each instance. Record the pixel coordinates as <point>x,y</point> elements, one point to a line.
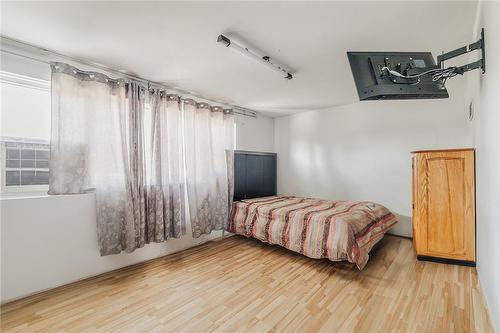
<point>442,150</point>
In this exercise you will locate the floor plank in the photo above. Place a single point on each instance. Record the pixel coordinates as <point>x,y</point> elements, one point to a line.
<point>242,285</point>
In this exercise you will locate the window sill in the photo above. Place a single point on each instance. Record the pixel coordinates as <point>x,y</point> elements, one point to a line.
<point>33,195</point>
<point>23,195</point>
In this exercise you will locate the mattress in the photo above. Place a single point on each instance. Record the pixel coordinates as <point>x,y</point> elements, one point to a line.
<point>337,230</point>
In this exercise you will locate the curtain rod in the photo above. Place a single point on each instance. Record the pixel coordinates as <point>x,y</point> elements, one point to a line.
<point>236,109</point>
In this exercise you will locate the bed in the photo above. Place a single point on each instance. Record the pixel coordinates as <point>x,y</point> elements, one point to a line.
<point>337,230</point>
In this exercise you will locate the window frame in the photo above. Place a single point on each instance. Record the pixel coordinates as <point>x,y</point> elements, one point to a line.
<point>18,188</point>
<point>32,83</point>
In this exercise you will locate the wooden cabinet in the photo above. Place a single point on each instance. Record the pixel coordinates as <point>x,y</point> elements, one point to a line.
<point>444,205</point>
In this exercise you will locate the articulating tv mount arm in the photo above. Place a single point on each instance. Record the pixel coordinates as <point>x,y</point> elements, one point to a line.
<point>413,74</point>
<point>463,50</point>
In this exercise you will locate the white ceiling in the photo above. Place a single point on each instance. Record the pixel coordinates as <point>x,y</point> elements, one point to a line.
<point>175,42</point>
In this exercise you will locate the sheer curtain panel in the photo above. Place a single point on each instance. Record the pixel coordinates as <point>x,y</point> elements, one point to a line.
<point>165,186</point>
<point>209,144</point>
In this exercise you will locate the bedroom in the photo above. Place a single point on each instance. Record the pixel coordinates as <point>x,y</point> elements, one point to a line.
<point>118,224</point>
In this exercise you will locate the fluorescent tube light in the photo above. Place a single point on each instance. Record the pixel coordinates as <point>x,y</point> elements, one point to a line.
<point>262,59</point>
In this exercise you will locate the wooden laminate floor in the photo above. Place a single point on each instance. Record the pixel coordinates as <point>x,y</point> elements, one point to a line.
<point>237,284</point>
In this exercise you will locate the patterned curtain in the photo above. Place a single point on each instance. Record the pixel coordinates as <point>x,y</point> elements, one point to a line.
<point>141,151</point>
<point>209,144</point>
<point>102,141</point>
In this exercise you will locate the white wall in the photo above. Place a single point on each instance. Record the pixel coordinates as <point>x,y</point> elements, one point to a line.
<point>254,134</point>
<point>485,91</point>
<point>362,151</point>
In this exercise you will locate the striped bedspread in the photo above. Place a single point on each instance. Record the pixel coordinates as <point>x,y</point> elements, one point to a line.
<point>337,230</point>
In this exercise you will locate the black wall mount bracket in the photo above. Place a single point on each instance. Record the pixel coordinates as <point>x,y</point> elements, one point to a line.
<point>479,45</point>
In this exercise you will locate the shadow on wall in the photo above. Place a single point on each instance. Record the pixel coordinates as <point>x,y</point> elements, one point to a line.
<point>362,151</point>
<point>403,227</point>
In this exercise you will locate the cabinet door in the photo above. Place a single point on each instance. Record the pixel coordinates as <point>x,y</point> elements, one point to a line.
<point>444,214</point>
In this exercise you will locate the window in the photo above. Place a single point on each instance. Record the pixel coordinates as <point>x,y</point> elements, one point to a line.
<point>24,133</point>
<point>26,163</point>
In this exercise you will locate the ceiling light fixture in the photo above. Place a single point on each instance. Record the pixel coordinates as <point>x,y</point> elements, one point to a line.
<point>262,59</point>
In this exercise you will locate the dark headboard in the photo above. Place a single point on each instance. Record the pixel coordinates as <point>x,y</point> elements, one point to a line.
<point>254,174</point>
